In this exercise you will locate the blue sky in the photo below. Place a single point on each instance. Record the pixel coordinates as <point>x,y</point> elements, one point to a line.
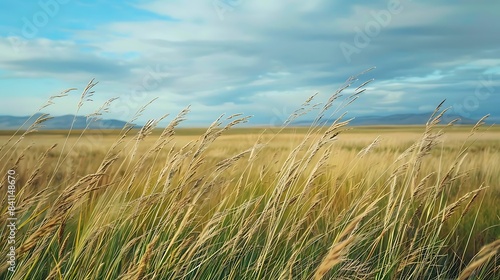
<point>261,58</point>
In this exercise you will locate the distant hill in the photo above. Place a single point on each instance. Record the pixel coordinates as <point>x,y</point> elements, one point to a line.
<point>398,119</point>
<point>80,122</point>
<point>60,122</point>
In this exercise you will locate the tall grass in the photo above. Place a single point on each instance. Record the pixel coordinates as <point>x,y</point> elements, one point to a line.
<point>147,205</point>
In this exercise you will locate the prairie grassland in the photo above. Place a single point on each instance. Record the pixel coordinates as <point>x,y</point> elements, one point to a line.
<point>227,203</point>
<point>256,216</point>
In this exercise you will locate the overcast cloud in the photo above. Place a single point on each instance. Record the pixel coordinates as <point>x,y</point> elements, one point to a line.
<point>261,58</point>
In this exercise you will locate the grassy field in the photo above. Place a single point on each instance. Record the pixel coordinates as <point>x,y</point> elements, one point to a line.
<point>223,202</point>
<point>255,204</point>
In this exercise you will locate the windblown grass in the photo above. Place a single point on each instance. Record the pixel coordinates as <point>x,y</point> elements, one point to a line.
<point>309,203</point>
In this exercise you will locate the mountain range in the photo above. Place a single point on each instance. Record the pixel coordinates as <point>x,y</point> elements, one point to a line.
<point>81,122</point>
<point>59,122</point>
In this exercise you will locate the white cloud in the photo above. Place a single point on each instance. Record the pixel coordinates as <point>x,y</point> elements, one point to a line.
<point>263,56</point>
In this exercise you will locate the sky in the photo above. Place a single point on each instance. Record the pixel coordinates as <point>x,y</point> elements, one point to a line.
<point>256,57</point>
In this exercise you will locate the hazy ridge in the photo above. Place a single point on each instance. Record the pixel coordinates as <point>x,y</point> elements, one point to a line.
<point>81,122</point>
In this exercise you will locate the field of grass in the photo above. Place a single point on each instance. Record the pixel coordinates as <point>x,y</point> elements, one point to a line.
<point>334,202</point>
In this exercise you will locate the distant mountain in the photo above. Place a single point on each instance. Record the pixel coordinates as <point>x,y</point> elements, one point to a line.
<point>80,122</point>
<point>398,119</point>
<point>60,122</point>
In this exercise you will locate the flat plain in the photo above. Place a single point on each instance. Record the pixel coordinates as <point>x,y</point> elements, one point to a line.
<point>339,202</point>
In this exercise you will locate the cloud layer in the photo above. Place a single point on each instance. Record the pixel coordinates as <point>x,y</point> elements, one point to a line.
<point>255,57</point>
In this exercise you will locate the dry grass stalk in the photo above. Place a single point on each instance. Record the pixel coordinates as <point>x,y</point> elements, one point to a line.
<point>71,195</point>
<point>145,260</point>
<point>360,87</point>
<point>103,109</point>
<point>450,209</point>
<point>486,253</point>
<point>35,126</point>
<point>138,272</point>
<point>87,94</point>
<point>36,200</point>
<point>51,99</point>
<point>169,129</point>
<point>411,258</point>
<point>334,257</point>
<point>471,201</point>
<point>391,203</point>
<point>337,95</point>
<point>15,166</point>
<point>44,230</point>
<point>228,162</point>
<point>316,171</point>
<point>211,229</point>
<point>479,123</point>
<point>368,148</point>
<point>58,213</point>
<point>452,174</point>
<point>432,117</point>
<point>39,167</point>
<point>141,110</point>
<point>55,272</point>
<point>419,191</point>
<point>132,242</point>
<point>247,228</point>
<point>62,245</point>
<point>297,226</point>
<point>304,109</point>
<point>333,131</point>
<point>345,239</point>
<point>214,131</point>
<point>146,130</point>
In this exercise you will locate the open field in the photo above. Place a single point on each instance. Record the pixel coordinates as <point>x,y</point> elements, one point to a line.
<point>252,203</point>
